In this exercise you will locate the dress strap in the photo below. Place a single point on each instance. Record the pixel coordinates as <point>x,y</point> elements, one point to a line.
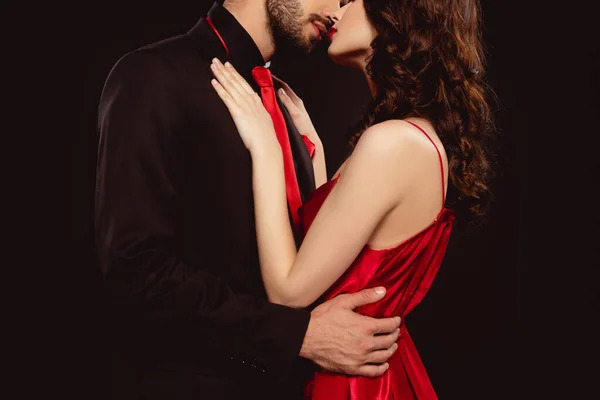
<point>440,158</point>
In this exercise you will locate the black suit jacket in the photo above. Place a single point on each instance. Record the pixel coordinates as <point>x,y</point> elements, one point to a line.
<point>176,233</point>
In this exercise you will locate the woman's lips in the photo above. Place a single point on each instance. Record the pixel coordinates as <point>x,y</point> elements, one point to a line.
<point>332,32</point>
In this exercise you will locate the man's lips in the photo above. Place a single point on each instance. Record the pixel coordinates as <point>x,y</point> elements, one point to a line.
<point>321,30</point>
<point>332,32</point>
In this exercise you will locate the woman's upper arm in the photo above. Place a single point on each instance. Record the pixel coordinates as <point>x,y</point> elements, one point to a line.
<point>371,185</point>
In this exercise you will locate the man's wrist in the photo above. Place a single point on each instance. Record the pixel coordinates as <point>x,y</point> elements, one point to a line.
<point>305,348</point>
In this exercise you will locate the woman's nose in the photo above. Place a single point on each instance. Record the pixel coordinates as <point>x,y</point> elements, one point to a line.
<point>332,16</point>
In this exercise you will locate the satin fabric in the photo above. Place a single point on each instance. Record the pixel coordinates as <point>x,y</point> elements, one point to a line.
<point>264,79</point>
<point>407,272</point>
<point>310,146</point>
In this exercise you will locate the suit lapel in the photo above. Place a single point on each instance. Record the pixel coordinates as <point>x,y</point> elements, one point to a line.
<point>209,46</point>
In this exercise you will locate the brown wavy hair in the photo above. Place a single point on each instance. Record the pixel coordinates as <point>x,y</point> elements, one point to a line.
<point>428,62</point>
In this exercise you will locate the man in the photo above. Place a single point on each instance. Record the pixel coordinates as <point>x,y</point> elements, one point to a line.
<point>175,224</point>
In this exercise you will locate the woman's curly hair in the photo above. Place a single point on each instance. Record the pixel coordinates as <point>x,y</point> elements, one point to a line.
<point>428,62</point>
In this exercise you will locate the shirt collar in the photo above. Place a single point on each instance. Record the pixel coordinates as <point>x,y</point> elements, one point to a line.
<point>243,51</point>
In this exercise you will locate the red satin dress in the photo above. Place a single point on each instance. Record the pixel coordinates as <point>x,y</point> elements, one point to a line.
<point>407,272</point>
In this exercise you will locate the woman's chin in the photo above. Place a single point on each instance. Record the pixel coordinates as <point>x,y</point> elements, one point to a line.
<point>339,58</point>
<point>334,55</point>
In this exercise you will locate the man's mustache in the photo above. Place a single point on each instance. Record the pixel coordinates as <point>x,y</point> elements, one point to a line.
<point>319,18</point>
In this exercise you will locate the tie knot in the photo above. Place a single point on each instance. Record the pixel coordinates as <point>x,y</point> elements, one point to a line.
<point>262,76</point>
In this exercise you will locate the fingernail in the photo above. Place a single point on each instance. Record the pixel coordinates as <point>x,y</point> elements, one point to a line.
<point>213,66</point>
<point>281,91</point>
<point>386,366</point>
<point>214,60</point>
<point>395,346</point>
<point>213,81</point>
<point>227,64</point>
<point>380,290</point>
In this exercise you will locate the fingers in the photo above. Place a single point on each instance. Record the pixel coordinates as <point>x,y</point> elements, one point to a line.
<point>372,371</point>
<point>365,296</point>
<point>288,90</point>
<point>239,79</point>
<point>385,341</point>
<point>282,83</point>
<point>227,81</point>
<point>384,325</point>
<point>230,103</point>
<point>381,356</point>
<point>287,102</point>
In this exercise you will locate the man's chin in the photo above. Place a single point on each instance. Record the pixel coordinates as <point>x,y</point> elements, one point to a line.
<point>312,44</point>
<point>308,48</point>
<point>295,46</point>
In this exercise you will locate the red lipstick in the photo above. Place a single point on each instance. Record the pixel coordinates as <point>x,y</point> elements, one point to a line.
<point>332,32</point>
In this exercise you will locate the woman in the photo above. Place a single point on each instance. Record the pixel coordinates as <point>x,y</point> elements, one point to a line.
<point>382,219</point>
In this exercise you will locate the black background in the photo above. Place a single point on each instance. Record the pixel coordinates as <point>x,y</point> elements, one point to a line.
<point>498,315</point>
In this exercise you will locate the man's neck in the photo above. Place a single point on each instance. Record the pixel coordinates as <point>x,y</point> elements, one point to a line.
<point>254,20</point>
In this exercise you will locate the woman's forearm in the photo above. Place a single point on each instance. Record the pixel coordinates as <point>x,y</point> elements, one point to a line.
<point>276,245</point>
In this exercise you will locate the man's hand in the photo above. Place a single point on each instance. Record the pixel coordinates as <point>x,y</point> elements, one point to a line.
<point>340,340</point>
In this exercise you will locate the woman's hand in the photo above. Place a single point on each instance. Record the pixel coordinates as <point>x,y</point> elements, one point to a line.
<point>301,119</point>
<point>295,107</point>
<point>251,119</point>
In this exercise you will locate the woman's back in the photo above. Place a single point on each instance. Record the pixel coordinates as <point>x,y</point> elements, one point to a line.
<point>407,271</point>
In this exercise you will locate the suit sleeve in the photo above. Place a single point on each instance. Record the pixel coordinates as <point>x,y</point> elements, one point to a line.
<point>178,308</point>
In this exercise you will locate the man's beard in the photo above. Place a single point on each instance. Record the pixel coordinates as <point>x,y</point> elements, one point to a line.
<point>286,20</point>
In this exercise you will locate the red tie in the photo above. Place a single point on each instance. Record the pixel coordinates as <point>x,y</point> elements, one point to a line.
<point>263,77</point>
